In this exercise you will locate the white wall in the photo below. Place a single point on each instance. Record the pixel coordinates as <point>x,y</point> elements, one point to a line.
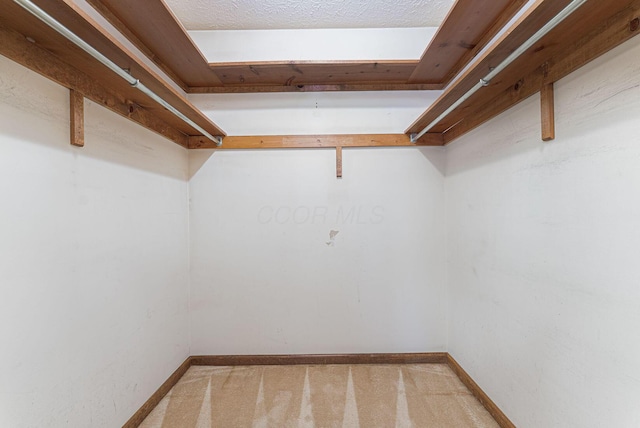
<point>335,44</point>
<point>540,254</point>
<point>93,260</point>
<point>266,277</point>
<point>543,244</point>
<point>310,113</point>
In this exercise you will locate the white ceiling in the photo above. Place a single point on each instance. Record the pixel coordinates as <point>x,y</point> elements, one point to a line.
<point>305,14</point>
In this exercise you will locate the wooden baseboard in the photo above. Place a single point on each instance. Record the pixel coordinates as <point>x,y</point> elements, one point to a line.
<point>477,392</point>
<point>157,396</point>
<point>259,360</point>
<point>275,360</point>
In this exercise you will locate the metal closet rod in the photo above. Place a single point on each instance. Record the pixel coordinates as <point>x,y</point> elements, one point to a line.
<point>57,26</point>
<point>571,7</point>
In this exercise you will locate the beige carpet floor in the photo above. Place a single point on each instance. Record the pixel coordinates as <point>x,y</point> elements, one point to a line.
<point>416,395</point>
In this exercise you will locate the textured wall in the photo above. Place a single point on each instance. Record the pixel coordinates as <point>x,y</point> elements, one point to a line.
<point>285,258</point>
<point>93,260</point>
<point>543,245</point>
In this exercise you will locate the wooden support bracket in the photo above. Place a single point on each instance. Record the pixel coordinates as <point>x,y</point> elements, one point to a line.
<point>547,112</point>
<point>339,162</point>
<point>76,106</point>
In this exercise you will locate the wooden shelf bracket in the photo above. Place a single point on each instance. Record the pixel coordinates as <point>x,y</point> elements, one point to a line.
<point>76,106</point>
<point>339,162</point>
<point>547,113</point>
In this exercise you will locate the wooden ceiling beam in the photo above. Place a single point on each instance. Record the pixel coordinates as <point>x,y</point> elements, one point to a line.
<point>16,47</point>
<point>468,27</point>
<point>315,141</point>
<point>610,25</point>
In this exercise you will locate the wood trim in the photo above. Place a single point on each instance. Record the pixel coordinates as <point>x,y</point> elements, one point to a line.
<point>314,141</point>
<point>76,118</point>
<point>477,392</point>
<point>315,88</point>
<point>339,162</point>
<point>157,396</point>
<point>276,360</point>
<point>15,46</point>
<point>547,112</point>
<point>610,30</point>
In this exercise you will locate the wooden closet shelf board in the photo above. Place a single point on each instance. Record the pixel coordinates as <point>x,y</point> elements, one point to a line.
<point>15,46</point>
<point>468,27</point>
<point>611,25</point>
<point>573,38</point>
<point>526,26</point>
<point>315,141</point>
<point>157,31</point>
<point>297,87</point>
<point>303,73</point>
<point>68,14</point>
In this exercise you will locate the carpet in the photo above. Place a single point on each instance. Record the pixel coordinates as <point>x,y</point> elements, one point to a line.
<point>395,396</point>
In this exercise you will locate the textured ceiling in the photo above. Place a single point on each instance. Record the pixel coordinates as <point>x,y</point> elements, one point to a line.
<point>302,14</point>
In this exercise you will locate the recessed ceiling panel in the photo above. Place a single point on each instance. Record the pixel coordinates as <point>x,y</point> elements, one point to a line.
<point>300,14</point>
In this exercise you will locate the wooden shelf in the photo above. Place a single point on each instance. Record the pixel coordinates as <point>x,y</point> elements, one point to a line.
<point>316,141</point>
<point>295,73</point>
<point>468,27</point>
<point>14,19</point>
<point>155,30</point>
<point>592,30</point>
<point>595,28</point>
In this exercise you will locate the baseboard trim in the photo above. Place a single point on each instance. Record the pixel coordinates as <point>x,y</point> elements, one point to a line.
<point>477,392</point>
<point>157,396</point>
<point>259,360</point>
<point>275,360</point>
